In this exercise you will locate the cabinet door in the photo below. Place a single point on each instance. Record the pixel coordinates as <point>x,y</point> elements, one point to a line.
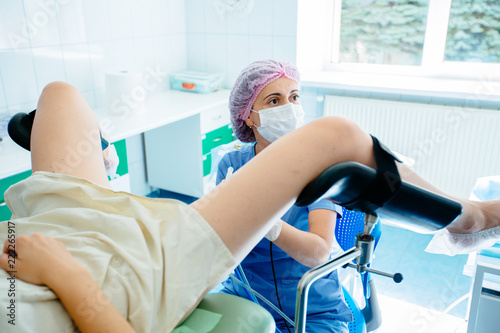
<point>5,183</point>
<point>174,157</point>
<point>122,182</point>
<point>212,140</point>
<point>216,138</point>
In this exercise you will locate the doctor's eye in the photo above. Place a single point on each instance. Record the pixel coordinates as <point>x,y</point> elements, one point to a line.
<point>273,101</point>
<point>294,98</point>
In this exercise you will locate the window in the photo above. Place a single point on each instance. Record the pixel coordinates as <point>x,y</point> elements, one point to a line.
<point>473,31</point>
<point>383,32</point>
<point>440,38</point>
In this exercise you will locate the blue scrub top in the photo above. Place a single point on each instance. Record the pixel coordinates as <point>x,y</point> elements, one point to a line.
<point>325,295</point>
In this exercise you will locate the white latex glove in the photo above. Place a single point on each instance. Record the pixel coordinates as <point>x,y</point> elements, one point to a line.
<point>275,231</point>
<point>111,161</point>
<point>445,242</point>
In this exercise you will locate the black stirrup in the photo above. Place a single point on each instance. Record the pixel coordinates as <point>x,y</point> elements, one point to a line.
<point>411,206</point>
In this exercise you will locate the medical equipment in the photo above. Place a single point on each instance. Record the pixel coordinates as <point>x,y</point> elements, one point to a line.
<point>410,206</point>
<point>198,82</point>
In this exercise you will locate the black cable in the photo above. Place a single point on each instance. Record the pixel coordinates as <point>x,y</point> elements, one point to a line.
<point>276,283</point>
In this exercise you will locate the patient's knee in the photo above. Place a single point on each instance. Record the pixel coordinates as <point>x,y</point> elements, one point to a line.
<point>58,87</point>
<point>337,126</point>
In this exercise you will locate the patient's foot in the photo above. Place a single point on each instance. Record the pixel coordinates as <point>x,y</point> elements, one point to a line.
<point>477,228</point>
<point>477,216</point>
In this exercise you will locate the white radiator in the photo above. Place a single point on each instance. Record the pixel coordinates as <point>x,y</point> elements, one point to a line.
<point>451,146</point>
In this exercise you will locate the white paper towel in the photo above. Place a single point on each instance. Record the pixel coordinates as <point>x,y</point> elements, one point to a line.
<point>125,93</point>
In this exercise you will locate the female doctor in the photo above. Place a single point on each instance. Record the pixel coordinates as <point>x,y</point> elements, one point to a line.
<point>265,105</point>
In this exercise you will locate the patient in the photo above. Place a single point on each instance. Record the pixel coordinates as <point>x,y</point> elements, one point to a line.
<point>113,261</point>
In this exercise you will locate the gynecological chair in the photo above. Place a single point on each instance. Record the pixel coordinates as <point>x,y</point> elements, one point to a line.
<point>409,206</point>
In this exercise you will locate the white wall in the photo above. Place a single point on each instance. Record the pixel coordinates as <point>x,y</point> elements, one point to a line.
<point>230,42</point>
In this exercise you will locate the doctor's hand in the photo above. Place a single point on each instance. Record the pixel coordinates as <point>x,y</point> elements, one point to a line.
<point>39,259</point>
<point>275,231</point>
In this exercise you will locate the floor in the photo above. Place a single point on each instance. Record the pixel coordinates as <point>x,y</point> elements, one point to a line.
<point>431,282</point>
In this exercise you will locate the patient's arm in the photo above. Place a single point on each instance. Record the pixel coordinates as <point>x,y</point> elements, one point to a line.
<point>42,260</point>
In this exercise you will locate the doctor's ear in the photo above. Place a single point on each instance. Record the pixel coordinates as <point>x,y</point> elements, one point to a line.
<point>249,122</point>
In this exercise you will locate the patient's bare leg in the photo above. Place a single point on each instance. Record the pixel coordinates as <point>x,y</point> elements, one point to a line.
<point>65,135</point>
<point>243,208</point>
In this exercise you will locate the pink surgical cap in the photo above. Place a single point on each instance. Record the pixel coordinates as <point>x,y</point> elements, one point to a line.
<point>248,85</point>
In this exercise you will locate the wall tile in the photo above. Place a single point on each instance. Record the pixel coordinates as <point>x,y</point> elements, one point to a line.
<point>196,51</point>
<point>100,97</point>
<point>120,19</point>
<point>141,18</point>
<point>177,16</point>
<point>216,53</point>
<point>284,48</point>
<point>195,16</point>
<point>3,102</point>
<point>178,52</point>
<point>261,47</point>
<point>236,24</point>
<point>18,77</point>
<point>287,23</point>
<point>41,20</point>
<point>77,66</point>
<point>237,52</point>
<point>160,10</point>
<point>262,18</point>
<point>89,98</point>
<point>97,20</point>
<point>144,53</point>
<point>13,26</point>
<point>123,54</point>
<point>214,23</point>
<point>49,65</point>
<point>72,22</point>
<point>102,61</point>
<point>162,52</point>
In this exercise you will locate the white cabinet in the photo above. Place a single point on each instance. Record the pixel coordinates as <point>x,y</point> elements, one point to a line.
<point>484,305</point>
<point>178,154</point>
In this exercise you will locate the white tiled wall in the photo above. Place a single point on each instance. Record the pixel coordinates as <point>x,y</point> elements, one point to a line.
<point>230,42</point>
<point>77,41</point>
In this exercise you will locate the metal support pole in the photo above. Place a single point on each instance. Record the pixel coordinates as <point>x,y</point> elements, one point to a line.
<point>310,277</point>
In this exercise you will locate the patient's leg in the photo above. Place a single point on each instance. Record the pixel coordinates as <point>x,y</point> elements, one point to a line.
<point>65,135</point>
<point>244,207</point>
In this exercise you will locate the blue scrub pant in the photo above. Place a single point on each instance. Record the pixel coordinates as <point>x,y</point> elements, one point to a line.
<point>320,323</point>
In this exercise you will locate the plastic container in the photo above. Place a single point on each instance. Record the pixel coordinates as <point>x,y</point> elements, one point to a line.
<point>199,82</point>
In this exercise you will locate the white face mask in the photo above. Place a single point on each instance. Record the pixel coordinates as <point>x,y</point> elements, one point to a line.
<point>279,120</point>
